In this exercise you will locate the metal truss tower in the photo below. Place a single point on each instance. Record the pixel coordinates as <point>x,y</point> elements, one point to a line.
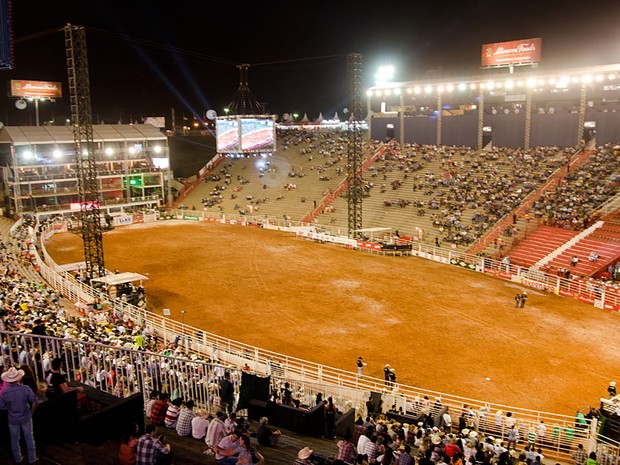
<point>244,102</point>
<point>85,150</point>
<point>355,185</point>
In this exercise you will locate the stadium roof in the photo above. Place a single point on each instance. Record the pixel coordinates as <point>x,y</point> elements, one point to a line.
<point>39,135</point>
<point>552,78</point>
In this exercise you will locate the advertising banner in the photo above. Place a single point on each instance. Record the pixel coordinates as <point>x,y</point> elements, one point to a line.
<point>35,89</point>
<point>508,53</point>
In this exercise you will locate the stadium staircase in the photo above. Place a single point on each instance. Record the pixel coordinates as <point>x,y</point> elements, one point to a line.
<point>541,243</point>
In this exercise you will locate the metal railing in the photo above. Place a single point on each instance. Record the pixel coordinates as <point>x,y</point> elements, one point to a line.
<point>309,377</point>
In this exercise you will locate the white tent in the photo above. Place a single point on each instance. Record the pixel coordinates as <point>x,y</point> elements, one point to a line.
<point>121,278</point>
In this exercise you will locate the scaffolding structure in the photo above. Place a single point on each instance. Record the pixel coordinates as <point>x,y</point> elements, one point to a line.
<point>85,153</point>
<point>355,183</point>
<point>244,102</point>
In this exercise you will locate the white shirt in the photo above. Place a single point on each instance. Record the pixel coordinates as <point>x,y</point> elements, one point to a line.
<point>542,429</point>
<point>199,427</point>
<point>361,443</point>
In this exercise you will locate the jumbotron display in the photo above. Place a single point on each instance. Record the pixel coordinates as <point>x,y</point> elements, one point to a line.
<point>246,134</point>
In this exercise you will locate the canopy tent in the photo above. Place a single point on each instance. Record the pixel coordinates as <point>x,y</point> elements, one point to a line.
<point>73,266</point>
<point>120,278</point>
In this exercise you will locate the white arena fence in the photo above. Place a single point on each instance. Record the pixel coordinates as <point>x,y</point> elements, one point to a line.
<point>308,378</point>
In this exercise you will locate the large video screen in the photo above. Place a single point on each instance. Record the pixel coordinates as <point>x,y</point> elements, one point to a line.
<point>246,134</point>
<point>227,135</point>
<point>257,134</point>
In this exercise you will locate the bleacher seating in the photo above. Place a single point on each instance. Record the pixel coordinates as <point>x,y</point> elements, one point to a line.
<point>608,252</point>
<point>452,193</point>
<point>538,245</point>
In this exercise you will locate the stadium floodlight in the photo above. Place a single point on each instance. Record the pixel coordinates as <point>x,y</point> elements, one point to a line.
<point>27,154</point>
<point>132,150</point>
<point>157,149</point>
<point>57,153</point>
<point>109,151</point>
<point>384,74</point>
<point>226,110</point>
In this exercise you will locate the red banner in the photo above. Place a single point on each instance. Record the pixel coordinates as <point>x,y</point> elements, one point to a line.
<point>507,53</point>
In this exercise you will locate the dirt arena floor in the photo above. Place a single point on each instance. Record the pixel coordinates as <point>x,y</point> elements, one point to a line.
<point>443,328</point>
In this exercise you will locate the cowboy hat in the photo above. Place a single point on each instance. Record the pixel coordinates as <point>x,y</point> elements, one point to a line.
<point>304,453</point>
<point>12,375</point>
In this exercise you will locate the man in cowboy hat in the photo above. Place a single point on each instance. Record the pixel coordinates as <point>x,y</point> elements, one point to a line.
<point>20,401</point>
<point>303,456</point>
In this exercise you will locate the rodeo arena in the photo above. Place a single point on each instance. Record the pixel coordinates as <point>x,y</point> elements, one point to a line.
<point>514,175</point>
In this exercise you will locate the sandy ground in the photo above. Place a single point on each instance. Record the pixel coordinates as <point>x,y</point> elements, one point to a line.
<point>442,328</point>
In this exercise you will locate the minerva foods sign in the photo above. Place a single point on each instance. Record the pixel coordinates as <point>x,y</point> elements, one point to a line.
<point>510,53</point>
<point>35,89</point>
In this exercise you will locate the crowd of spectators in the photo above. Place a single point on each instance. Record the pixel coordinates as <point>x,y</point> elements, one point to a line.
<point>571,203</point>
<point>465,191</point>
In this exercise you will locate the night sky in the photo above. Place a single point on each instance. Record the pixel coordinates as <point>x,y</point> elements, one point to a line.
<point>146,57</point>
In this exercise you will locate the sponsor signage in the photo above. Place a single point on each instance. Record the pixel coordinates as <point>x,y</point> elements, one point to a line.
<point>122,220</point>
<point>510,53</point>
<point>35,89</point>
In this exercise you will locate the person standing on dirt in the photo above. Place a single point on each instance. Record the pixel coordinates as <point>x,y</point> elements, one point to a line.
<point>518,300</point>
<point>523,298</point>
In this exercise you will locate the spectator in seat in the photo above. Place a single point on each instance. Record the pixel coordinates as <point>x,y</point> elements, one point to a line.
<point>152,400</point>
<point>149,445</point>
<point>200,424</point>
<point>173,412</point>
<point>216,430</point>
<point>265,435</point>
<point>158,413</point>
<point>228,449</point>
<point>186,416</point>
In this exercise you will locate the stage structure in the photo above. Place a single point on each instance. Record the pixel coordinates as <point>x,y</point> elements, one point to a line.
<point>355,185</point>
<point>244,102</point>
<point>88,193</point>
